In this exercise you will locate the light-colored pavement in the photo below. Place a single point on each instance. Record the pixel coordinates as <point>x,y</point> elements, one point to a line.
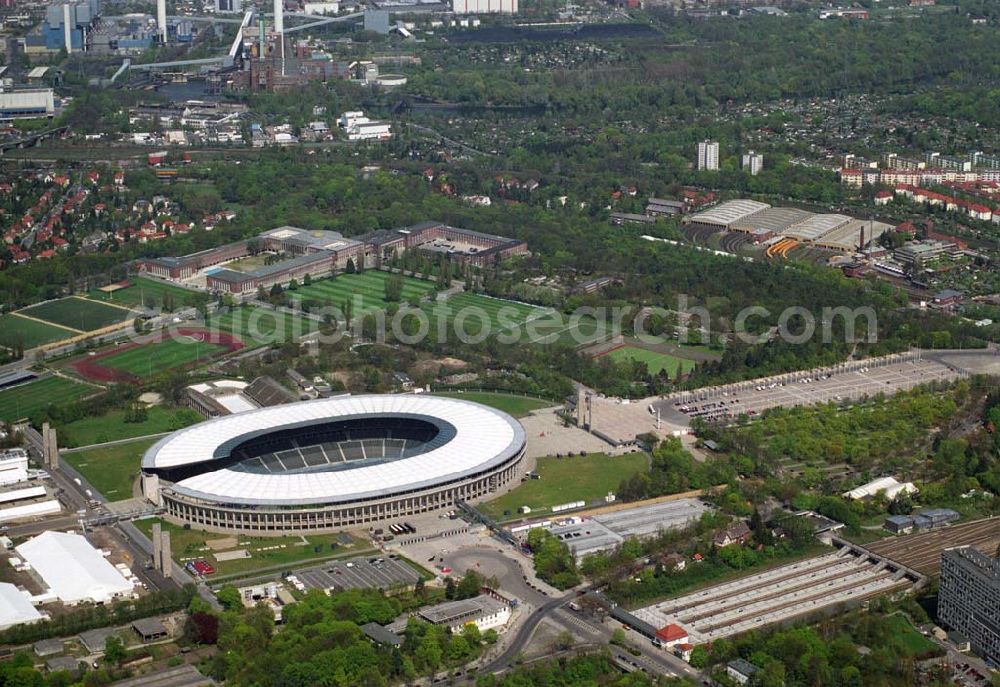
<point>548,435</point>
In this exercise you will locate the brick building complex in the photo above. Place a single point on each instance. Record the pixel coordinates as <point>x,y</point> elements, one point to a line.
<point>463,245</point>
<point>320,253</point>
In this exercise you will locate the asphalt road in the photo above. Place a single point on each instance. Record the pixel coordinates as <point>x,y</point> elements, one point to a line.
<point>587,629</point>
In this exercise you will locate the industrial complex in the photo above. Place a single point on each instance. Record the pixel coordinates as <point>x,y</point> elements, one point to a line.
<point>770,225</point>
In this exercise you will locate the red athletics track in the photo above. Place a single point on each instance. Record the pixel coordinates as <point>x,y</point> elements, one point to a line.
<point>90,367</point>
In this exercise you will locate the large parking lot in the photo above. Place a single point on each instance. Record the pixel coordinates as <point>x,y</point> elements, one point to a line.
<point>374,572</point>
<point>846,382</point>
<point>776,595</point>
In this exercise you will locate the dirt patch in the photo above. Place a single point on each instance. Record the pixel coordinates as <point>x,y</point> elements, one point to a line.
<point>434,365</point>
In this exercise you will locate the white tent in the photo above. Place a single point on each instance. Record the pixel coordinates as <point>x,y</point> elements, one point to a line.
<point>890,485</point>
<point>15,608</point>
<point>73,569</point>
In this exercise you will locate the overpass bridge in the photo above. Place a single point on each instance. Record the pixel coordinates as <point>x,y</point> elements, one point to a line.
<point>33,140</point>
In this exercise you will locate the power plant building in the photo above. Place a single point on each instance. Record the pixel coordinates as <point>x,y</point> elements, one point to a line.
<point>66,24</point>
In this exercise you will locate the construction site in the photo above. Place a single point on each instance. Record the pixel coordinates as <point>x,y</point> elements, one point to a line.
<point>813,586</point>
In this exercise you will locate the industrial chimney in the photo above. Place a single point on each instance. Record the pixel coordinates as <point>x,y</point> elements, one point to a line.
<point>161,20</point>
<point>279,18</point>
<point>67,28</point>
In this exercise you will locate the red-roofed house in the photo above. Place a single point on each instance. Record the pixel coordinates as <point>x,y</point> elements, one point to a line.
<point>672,635</point>
<point>684,651</point>
<point>883,197</point>
<point>737,533</point>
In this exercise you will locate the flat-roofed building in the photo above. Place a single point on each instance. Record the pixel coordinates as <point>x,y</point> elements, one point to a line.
<point>657,207</point>
<point>921,250</point>
<point>27,104</point>
<point>969,598</point>
<point>231,281</point>
<point>486,612</point>
<point>13,466</point>
<point>631,218</point>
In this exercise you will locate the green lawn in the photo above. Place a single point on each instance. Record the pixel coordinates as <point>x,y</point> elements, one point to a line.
<point>518,406</point>
<point>366,291</point>
<point>261,326</point>
<point>112,426</point>
<point>143,291</point>
<point>111,469</point>
<point>656,362</point>
<point>20,331</point>
<point>470,313</point>
<point>579,478</point>
<point>78,313</point>
<point>167,354</point>
<point>27,399</point>
<point>907,640</point>
<point>187,544</point>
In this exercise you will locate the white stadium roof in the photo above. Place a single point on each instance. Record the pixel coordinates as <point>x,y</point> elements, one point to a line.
<point>73,569</point>
<point>482,438</point>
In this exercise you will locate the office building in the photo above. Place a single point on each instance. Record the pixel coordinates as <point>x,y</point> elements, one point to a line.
<point>708,155</point>
<point>752,162</point>
<point>969,598</point>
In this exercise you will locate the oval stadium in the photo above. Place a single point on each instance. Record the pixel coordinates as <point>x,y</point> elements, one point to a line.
<point>332,463</point>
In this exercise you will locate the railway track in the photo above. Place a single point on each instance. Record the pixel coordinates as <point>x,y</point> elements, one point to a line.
<point>922,552</point>
<point>815,564</point>
<point>804,611</point>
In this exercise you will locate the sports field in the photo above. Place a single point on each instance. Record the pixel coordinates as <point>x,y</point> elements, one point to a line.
<point>78,313</point>
<point>265,552</point>
<point>111,469</point>
<point>579,478</point>
<point>655,362</point>
<point>517,406</point>
<point>111,426</point>
<point>148,359</point>
<point>366,290</point>
<point>27,399</point>
<point>262,326</point>
<point>143,291</point>
<point>20,331</point>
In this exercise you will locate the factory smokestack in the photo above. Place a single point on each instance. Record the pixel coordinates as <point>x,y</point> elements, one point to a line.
<point>279,18</point>
<point>67,30</point>
<point>161,20</point>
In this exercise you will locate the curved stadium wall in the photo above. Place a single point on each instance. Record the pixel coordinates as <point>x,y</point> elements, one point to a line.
<point>333,463</point>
